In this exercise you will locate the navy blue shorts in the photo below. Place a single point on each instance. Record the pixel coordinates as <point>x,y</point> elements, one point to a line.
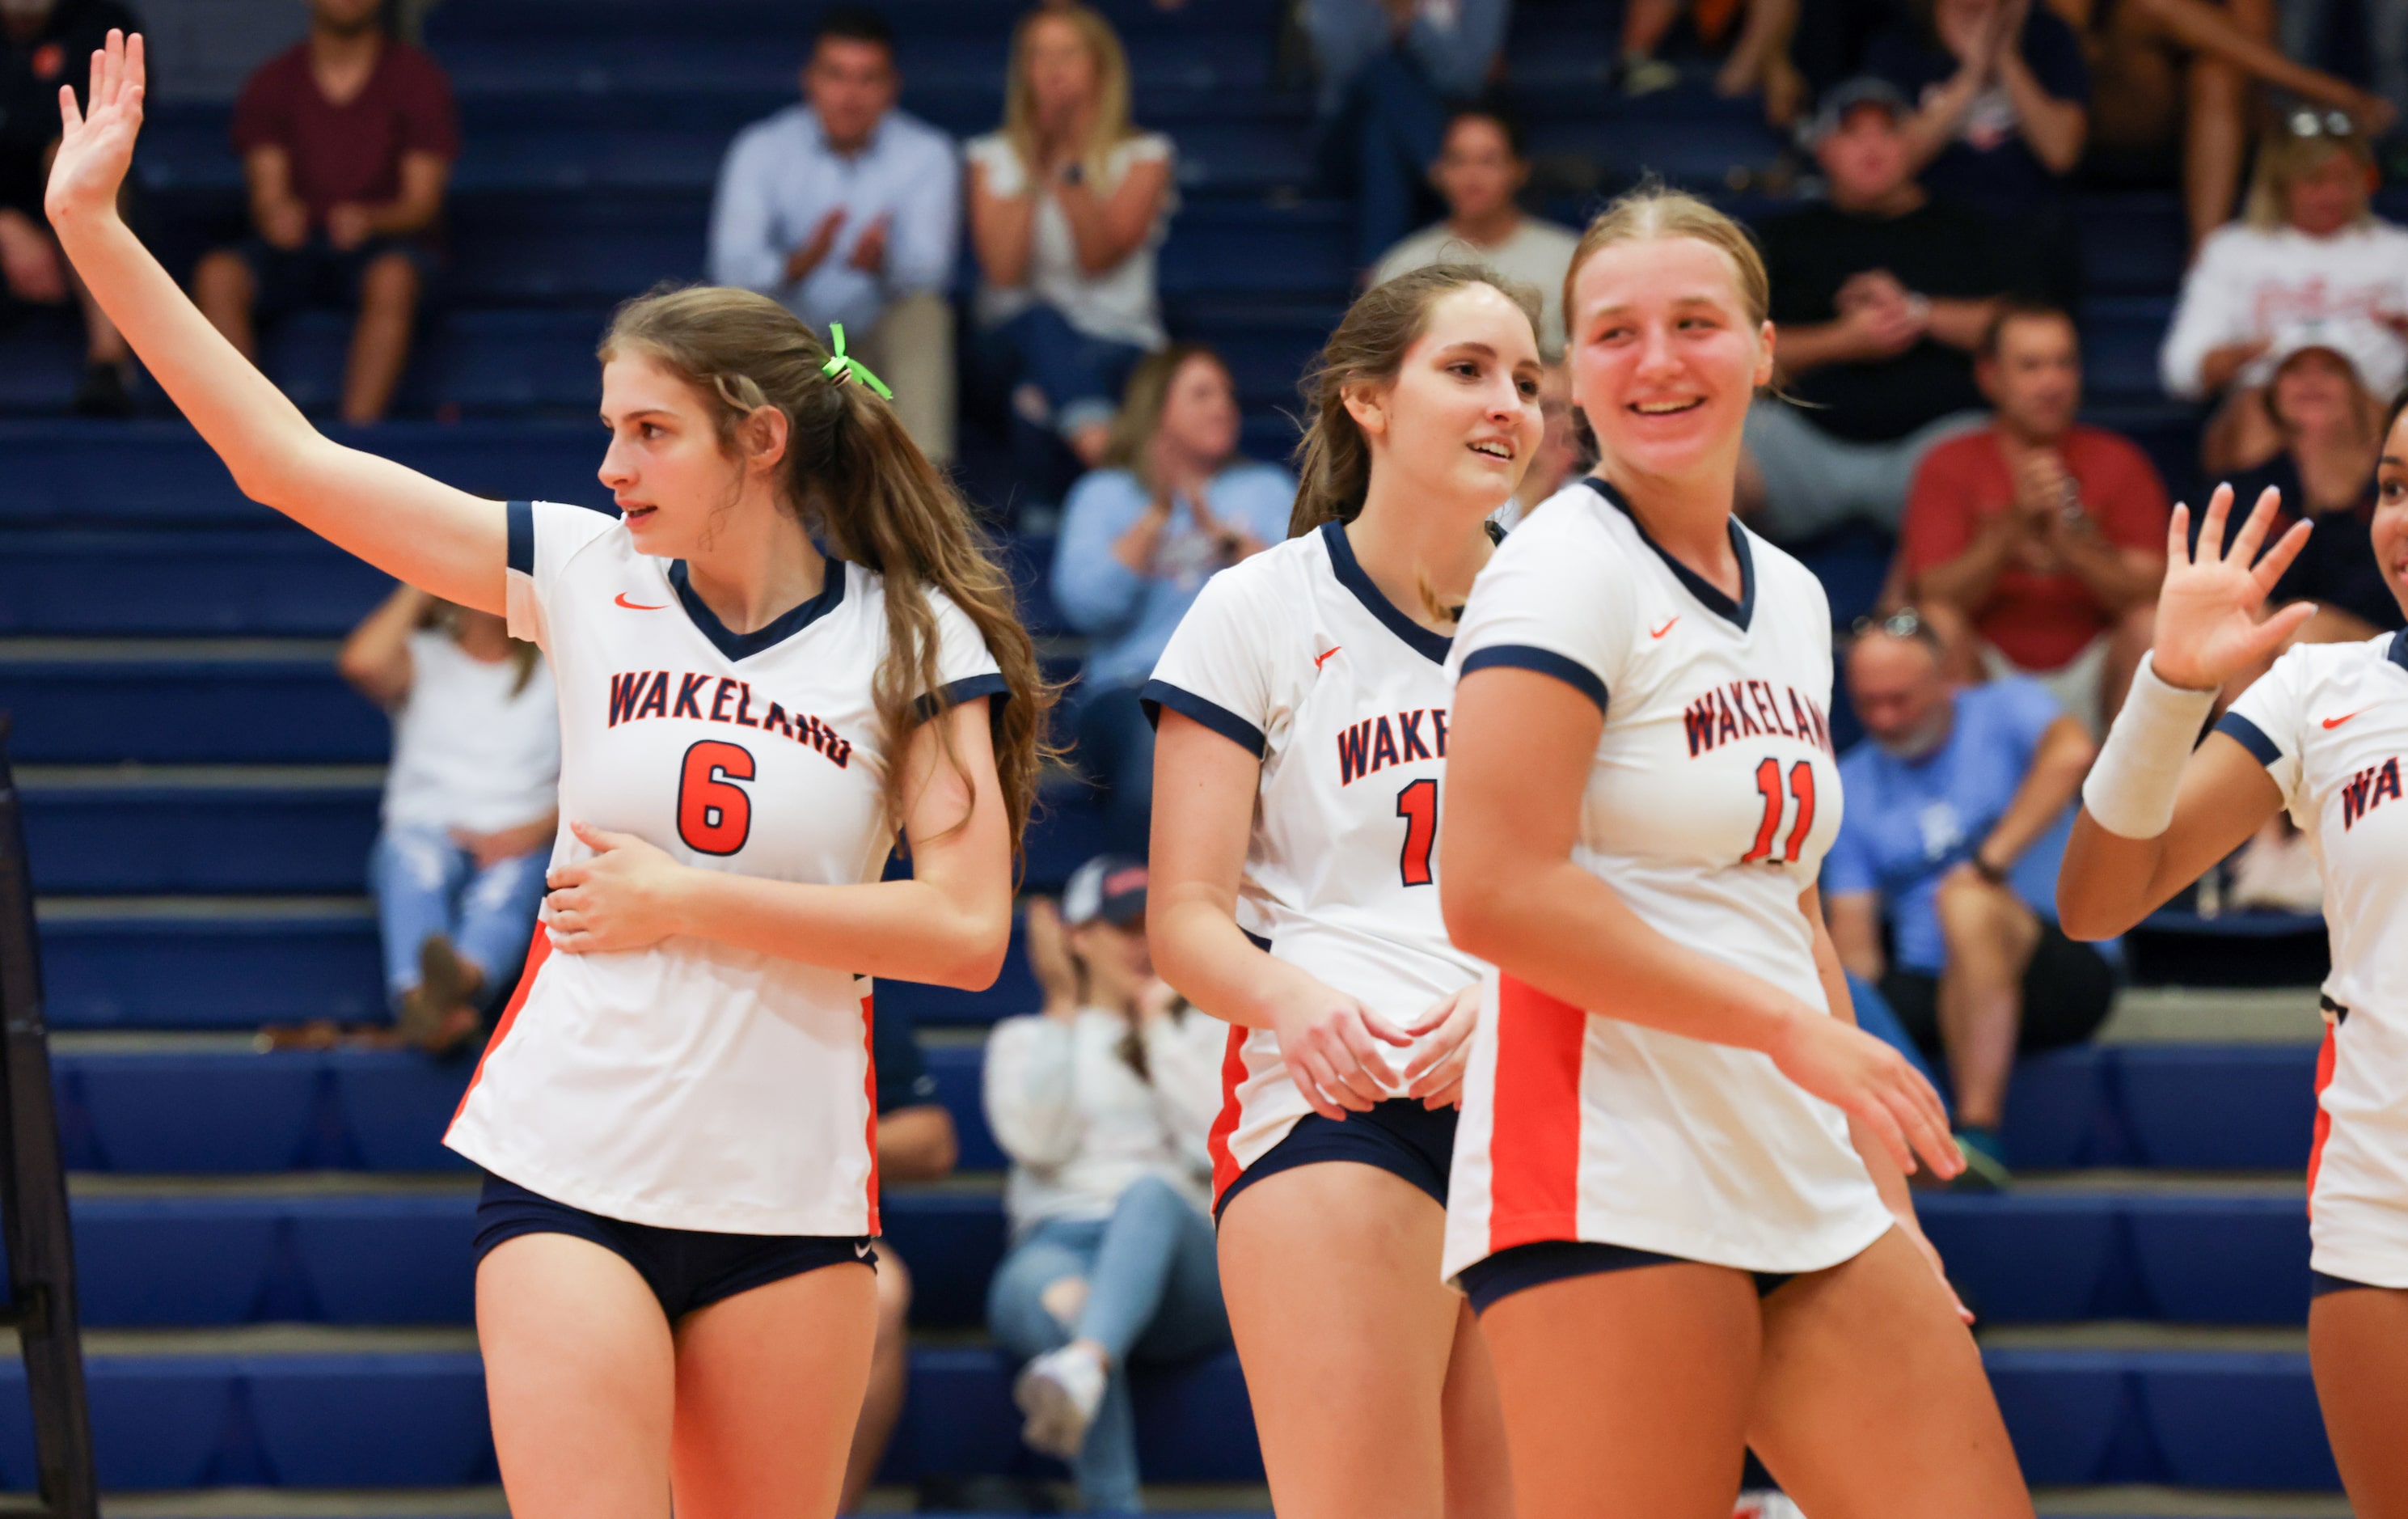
<point>317,274</point>
<point>1509,1271</point>
<point>2319,1285</point>
<point>685,1268</point>
<point>1399,1136</point>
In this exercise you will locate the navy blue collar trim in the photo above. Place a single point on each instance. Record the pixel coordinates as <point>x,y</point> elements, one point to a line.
<point>1737,613</point>
<point>744,645</point>
<point>1431,646</point>
<point>2400,648</point>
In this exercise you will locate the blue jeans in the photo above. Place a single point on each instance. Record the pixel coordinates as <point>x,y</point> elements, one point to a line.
<point>425,884</point>
<point>1153,1294</point>
<point>1081,379</point>
<point>1381,145</point>
<point>1114,748</point>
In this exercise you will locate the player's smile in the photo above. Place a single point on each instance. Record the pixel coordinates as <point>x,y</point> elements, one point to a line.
<point>1494,448</point>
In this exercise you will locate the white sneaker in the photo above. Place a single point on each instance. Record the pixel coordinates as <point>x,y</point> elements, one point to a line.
<point>1766,1504</point>
<point>1059,1393</point>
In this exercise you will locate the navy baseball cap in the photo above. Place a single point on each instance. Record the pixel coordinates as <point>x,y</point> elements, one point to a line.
<point>1864,90</point>
<point>1108,886</point>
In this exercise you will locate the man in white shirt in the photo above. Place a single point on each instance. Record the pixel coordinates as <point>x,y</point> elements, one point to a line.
<point>1480,169</point>
<point>847,211</point>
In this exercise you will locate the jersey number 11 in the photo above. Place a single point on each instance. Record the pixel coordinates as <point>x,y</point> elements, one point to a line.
<point>1768,784</point>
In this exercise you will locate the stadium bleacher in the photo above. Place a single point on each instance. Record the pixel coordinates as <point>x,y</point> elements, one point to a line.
<point>274,1248</point>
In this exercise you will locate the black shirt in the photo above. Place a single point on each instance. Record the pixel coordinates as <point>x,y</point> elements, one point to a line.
<point>1939,249</point>
<point>31,72</point>
<point>1989,164</point>
<point>2338,568</point>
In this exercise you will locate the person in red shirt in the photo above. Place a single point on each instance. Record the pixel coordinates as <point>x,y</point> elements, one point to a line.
<point>347,139</point>
<point>2035,546</point>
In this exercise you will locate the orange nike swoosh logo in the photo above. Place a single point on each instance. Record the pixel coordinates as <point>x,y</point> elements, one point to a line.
<point>1321,658</point>
<point>637,606</point>
<point>1658,632</point>
<point>2336,722</point>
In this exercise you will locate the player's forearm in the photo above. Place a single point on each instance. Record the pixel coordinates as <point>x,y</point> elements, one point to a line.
<point>1567,932</point>
<point>906,930</point>
<point>1200,950</point>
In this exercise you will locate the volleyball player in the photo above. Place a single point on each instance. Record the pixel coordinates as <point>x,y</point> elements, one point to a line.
<point>2322,735</point>
<point>1678,1203</point>
<point>1304,725</point>
<point>674,1296</point>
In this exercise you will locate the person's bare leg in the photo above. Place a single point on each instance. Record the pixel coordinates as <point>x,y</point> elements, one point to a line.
<point>579,1378</point>
<point>2215,137</point>
<point>2357,1350</point>
<point>380,336</point>
<point>2132,637</point>
<point>890,1367</point>
<point>1644,24</point>
<point>1988,936</point>
<point>224,291</point>
<point>1479,1465</point>
<point>1763,36</point>
<point>768,1393</point>
<point>1871,1401</point>
<point>1626,1393</point>
<point>1345,1332</point>
<point>912,349</point>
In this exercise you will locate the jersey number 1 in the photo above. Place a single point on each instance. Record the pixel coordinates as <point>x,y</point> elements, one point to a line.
<point>714,816</point>
<point>1417,804</point>
<point>1801,785</point>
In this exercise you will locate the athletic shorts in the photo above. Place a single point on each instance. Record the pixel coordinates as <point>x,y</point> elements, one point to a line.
<point>1489,1281</point>
<point>317,275</point>
<point>2320,1282</point>
<point>2067,990</point>
<point>685,1268</point>
<point>1398,1135</point>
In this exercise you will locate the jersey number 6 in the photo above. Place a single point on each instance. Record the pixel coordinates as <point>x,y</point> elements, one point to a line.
<point>714,816</point>
<point>1801,785</point>
<point>1417,804</point>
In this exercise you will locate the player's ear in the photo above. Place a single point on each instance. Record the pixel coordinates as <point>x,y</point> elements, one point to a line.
<point>763,435</point>
<point>1367,406</point>
<point>1764,354</point>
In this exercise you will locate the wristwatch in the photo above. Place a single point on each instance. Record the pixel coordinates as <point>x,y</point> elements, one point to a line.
<point>1994,875</point>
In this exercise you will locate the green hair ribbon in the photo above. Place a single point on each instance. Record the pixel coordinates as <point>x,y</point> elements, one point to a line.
<point>841,367</point>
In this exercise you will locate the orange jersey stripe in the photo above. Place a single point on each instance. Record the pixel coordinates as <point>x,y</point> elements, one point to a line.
<point>869,1089</point>
<point>1534,1142</point>
<point>538,950</point>
<point>2325,1058</point>
<point>1225,1168</point>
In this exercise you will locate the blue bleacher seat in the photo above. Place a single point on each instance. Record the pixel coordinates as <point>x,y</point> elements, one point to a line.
<point>200,972</point>
<point>78,582</point>
<point>148,840</point>
<point>170,711</point>
<point>2120,339</point>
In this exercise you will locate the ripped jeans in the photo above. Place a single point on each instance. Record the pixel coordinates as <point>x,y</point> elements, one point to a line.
<point>425,884</point>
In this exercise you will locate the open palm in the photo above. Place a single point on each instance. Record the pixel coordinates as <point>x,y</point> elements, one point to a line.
<point>2208,628</point>
<point>96,146</point>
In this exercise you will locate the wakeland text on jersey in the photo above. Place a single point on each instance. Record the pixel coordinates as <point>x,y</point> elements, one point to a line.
<point>1751,708</point>
<point>645,693</point>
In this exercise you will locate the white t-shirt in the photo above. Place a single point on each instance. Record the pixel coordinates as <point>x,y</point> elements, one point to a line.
<point>1714,797</point>
<point>694,1085</point>
<point>1296,656</point>
<point>1538,254</point>
<point>1080,1125</point>
<point>469,750</point>
<point>1120,303</point>
<point>2329,722</point>
<point>2288,288</point>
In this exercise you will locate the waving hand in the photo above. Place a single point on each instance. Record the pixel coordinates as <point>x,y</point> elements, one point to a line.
<point>2208,627</point>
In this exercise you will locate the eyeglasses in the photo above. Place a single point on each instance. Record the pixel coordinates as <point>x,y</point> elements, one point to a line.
<point>2306,122</point>
<point>1903,623</point>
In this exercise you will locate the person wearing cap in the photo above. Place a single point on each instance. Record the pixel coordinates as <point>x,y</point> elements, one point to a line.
<point>2307,260</point>
<point>1879,297</point>
<point>1103,1100</point>
<point>2036,543</point>
<point>1940,887</point>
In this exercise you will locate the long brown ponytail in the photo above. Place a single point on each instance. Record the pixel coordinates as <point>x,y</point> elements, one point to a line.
<point>1333,463</point>
<point>855,479</point>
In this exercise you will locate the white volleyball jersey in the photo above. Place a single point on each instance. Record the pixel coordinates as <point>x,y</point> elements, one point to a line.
<point>2329,722</point>
<point>694,1085</point>
<point>1296,656</point>
<point>1711,802</point>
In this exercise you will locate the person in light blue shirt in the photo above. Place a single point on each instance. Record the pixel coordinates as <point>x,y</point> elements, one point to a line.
<point>1140,537</point>
<point>1959,804</point>
<point>845,209</point>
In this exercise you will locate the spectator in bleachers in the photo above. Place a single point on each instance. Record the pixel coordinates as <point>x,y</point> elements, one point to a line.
<point>1958,807</point>
<point>1755,55</point>
<point>1480,166</point>
<point>845,209</point>
<point>470,806</point>
<point>916,1142</point>
<point>1067,204</point>
<point>2308,258</point>
<point>2036,544</point>
<point>1103,1102</point>
<point>43,45</point>
<point>1174,502</point>
<point>2179,76</point>
<point>347,142</point>
<point>1562,451</point>
<point>1389,70</point>
<point>1879,297</point>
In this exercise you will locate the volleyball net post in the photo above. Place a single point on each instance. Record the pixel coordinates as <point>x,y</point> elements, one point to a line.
<point>41,1303</point>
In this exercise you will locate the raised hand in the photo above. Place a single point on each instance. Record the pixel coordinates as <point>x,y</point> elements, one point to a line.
<point>1872,1084</point>
<point>2208,627</point>
<point>96,146</point>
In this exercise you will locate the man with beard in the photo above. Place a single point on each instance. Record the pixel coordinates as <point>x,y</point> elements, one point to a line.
<point>347,140</point>
<point>1940,885</point>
